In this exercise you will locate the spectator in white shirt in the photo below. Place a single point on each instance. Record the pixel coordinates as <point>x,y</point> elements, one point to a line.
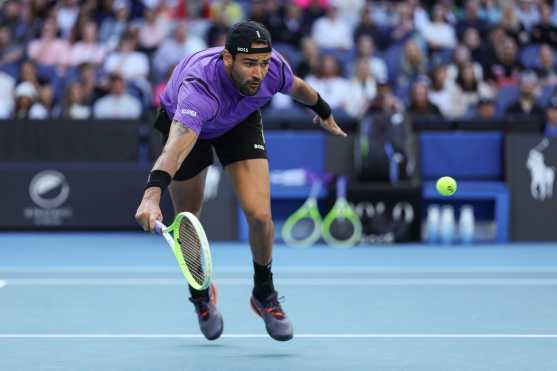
<point>438,33</point>
<point>332,32</point>
<point>117,104</point>
<point>67,15</point>
<point>43,108</point>
<point>330,85</point>
<point>365,49</point>
<point>127,62</point>
<point>74,106</point>
<point>363,89</point>
<point>88,50</point>
<point>174,48</point>
<point>25,95</point>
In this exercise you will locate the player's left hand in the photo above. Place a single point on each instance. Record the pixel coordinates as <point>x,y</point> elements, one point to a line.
<point>330,125</point>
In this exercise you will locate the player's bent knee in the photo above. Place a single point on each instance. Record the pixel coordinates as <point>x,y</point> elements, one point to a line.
<point>259,217</point>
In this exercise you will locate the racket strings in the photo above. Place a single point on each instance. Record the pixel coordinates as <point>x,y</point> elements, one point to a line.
<point>190,246</point>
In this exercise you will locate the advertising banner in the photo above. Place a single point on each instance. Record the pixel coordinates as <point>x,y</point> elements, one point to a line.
<point>531,162</point>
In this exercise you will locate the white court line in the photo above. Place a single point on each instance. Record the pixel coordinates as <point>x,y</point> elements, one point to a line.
<point>288,282</point>
<point>296,336</point>
<point>291,269</point>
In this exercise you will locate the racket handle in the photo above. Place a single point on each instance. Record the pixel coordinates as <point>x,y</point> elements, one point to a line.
<point>159,227</point>
<point>341,187</point>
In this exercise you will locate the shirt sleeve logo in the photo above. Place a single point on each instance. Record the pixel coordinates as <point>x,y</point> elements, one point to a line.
<point>188,112</point>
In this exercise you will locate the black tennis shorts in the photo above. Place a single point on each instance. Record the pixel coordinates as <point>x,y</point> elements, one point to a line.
<point>245,141</point>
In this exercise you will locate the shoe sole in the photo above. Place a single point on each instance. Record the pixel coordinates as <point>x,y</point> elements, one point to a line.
<point>258,312</point>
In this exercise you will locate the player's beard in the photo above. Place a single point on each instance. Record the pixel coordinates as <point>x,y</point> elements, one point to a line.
<point>246,87</point>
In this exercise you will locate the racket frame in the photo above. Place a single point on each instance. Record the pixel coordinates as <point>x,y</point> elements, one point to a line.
<point>171,234</point>
<point>341,209</point>
<point>310,208</point>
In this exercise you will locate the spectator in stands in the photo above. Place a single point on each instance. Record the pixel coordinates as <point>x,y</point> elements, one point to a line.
<point>292,28</point>
<point>332,32</point>
<point>368,28</point>
<point>349,10</point>
<point>462,57</point>
<point>551,118</point>
<point>485,109</point>
<point>11,17</point>
<point>404,28</point>
<point>216,34</point>
<point>28,72</point>
<point>472,19</point>
<point>490,11</point>
<point>131,64</point>
<point>231,11</point>
<point>527,14</point>
<point>74,106</point>
<point>438,33</point>
<point>413,62</point>
<point>11,52</point>
<point>506,68</point>
<point>313,10</point>
<point>545,31</point>
<point>43,107</point>
<point>385,101</point>
<point>362,88</point>
<point>113,27</point>
<point>511,24</point>
<point>117,104</point>
<point>25,94</point>
<point>91,89</point>
<point>49,49</point>
<point>174,48</point>
<point>442,92</point>
<point>88,50</point>
<point>546,70</point>
<point>471,40</point>
<point>526,103</point>
<point>7,85</point>
<point>66,15</point>
<point>469,89</point>
<point>330,84</point>
<point>311,58</point>
<point>152,30</point>
<point>365,50</point>
<point>420,104</point>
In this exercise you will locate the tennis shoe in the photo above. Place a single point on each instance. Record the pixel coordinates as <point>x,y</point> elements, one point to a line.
<point>210,320</point>
<point>278,326</point>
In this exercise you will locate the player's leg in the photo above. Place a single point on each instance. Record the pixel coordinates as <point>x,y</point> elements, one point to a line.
<point>242,153</point>
<point>186,192</point>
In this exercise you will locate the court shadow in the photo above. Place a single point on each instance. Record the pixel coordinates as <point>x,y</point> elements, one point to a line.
<point>207,345</point>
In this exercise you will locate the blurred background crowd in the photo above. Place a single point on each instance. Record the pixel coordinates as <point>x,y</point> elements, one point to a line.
<point>80,59</point>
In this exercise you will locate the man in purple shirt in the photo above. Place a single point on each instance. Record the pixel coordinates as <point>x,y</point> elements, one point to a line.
<point>212,101</point>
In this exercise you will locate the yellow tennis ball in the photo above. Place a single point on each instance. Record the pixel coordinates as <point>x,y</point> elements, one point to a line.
<point>446,186</point>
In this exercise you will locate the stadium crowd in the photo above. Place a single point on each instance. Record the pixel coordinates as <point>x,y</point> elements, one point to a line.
<point>110,58</point>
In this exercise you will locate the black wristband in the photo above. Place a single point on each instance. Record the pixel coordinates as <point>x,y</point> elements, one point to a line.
<point>322,108</point>
<point>158,178</point>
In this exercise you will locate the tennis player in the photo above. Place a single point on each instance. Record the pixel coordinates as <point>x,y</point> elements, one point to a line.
<point>212,100</point>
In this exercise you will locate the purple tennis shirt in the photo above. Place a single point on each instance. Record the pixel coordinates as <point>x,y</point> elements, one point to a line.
<point>201,95</point>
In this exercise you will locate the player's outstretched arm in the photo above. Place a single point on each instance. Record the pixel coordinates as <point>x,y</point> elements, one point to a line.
<point>181,140</point>
<point>305,94</point>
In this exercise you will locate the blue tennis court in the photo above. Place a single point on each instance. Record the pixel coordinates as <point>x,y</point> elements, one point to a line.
<point>116,301</point>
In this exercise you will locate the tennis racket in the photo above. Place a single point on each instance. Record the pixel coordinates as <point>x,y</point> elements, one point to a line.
<point>188,241</point>
<point>342,226</point>
<point>303,227</point>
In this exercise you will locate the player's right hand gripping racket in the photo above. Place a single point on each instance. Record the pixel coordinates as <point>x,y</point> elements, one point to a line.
<point>188,241</point>
<point>303,227</point>
<point>342,226</point>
